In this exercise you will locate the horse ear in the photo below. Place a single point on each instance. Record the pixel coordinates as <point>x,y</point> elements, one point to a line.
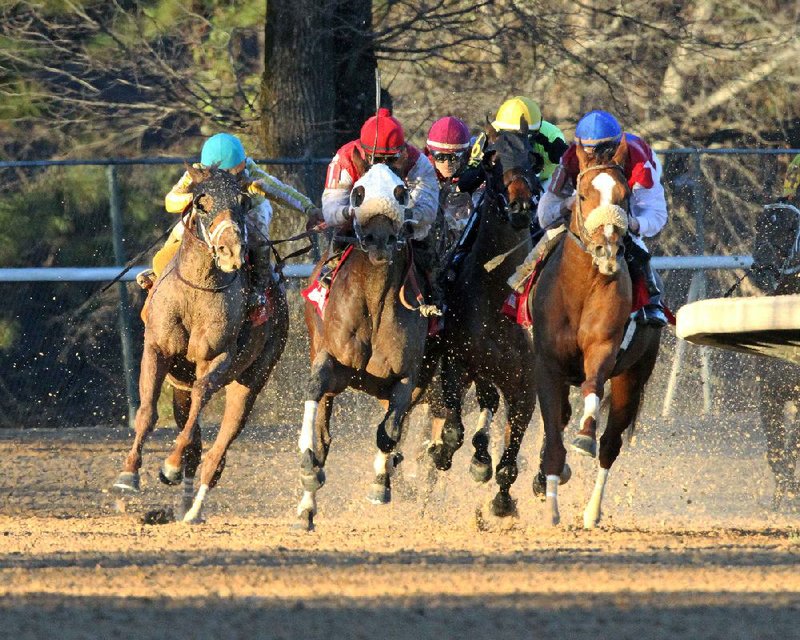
<point>621,154</point>
<point>359,161</point>
<point>491,132</point>
<point>197,175</point>
<point>583,157</point>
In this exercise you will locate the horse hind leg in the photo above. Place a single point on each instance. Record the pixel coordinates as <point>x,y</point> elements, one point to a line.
<point>521,403</point>
<point>480,467</point>
<point>539,485</point>
<point>773,421</point>
<point>181,401</point>
<point>451,436</point>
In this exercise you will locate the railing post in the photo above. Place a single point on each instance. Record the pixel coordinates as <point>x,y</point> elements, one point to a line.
<point>312,189</point>
<point>125,321</point>
<point>698,204</point>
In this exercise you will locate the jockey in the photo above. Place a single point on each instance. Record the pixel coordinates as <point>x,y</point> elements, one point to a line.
<point>226,152</point>
<point>382,140</point>
<point>446,147</point>
<point>546,138</point>
<point>600,134</point>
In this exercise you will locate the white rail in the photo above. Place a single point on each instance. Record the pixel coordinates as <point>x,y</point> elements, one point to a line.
<point>106,274</point>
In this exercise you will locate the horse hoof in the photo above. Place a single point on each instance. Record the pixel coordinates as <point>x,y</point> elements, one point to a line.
<point>540,485</point>
<point>170,475</point>
<point>441,456</point>
<point>480,471</point>
<point>503,505</point>
<point>566,474</point>
<point>585,446</point>
<point>379,493</point>
<point>305,521</point>
<point>127,482</point>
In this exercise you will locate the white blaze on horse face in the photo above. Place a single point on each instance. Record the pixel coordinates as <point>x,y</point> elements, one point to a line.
<point>591,407</point>
<point>306,440</point>
<point>604,183</point>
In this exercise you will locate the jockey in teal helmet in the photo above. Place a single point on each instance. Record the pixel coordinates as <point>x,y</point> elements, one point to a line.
<point>600,134</point>
<point>225,151</point>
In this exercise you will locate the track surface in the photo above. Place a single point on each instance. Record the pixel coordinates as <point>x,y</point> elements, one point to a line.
<point>689,548</point>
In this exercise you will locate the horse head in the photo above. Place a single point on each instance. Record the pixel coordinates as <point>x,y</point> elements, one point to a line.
<point>776,246</point>
<point>600,213</point>
<point>219,205</point>
<point>512,182</point>
<point>379,201</point>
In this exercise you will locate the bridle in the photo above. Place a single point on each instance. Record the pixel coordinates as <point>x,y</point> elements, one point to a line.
<point>515,208</point>
<point>583,237</point>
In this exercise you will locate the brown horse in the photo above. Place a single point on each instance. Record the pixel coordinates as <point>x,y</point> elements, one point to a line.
<point>776,265</point>
<point>198,333</point>
<point>368,338</point>
<point>581,307</point>
<point>481,344</point>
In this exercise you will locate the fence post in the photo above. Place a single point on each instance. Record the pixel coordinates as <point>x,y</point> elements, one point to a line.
<point>313,191</point>
<point>698,204</point>
<point>125,321</point>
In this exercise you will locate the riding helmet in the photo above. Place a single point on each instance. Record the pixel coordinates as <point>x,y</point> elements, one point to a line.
<point>224,150</point>
<point>598,127</point>
<point>508,115</point>
<point>448,135</point>
<point>382,134</point>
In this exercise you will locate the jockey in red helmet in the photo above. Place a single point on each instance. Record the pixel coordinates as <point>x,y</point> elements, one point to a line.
<point>599,133</point>
<point>381,140</point>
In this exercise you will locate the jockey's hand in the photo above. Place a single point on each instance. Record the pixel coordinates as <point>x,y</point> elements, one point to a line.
<point>315,217</point>
<point>633,224</point>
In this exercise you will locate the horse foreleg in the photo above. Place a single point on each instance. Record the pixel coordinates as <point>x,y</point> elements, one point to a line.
<point>181,401</point>
<point>388,439</point>
<point>327,379</point>
<point>209,379</point>
<point>553,394</point>
<point>598,363</point>
<point>480,467</point>
<point>153,370</point>
<point>451,434</point>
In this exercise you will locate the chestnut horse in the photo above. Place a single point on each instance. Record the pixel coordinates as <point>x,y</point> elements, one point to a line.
<point>197,332</point>
<point>481,344</point>
<point>581,306</point>
<point>776,265</point>
<point>368,338</point>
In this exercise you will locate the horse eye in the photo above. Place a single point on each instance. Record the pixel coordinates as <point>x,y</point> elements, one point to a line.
<point>401,194</point>
<point>357,196</point>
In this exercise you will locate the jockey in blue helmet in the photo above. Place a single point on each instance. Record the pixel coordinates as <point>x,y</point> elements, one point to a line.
<point>600,134</point>
<point>226,151</point>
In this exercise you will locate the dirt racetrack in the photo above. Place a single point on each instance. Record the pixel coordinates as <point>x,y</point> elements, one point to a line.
<point>689,547</point>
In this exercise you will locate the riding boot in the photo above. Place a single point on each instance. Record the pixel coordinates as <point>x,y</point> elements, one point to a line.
<point>653,312</point>
<point>146,279</point>
<point>260,274</point>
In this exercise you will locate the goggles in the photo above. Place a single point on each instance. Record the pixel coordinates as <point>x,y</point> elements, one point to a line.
<point>448,157</point>
<point>387,159</point>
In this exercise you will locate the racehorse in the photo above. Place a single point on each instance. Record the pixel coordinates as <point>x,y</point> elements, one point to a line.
<point>581,307</point>
<point>776,270</point>
<point>198,333</point>
<point>368,337</point>
<point>481,344</point>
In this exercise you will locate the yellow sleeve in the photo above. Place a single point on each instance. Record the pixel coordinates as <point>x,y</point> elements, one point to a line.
<point>180,196</point>
<point>273,189</point>
<point>792,180</point>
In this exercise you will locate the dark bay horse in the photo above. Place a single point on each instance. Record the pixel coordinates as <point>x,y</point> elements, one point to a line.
<point>776,270</point>
<point>481,344</point>
<point>581,307</point>
<point>367,339</point>
<point>198,333</point>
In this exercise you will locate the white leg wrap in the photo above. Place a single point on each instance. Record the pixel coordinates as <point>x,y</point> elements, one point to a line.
<point>193,514</point>
<point>484,420</point>
<point>306,440</point>
<point>383,463</point>
<point>591,407</point>
<point>551,498</point>
<point>591,515</point>
<point>307,502</point>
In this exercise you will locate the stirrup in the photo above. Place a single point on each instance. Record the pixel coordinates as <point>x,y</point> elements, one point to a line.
<point>145,279</point>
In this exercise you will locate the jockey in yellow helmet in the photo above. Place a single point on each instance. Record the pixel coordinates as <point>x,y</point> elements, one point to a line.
<point>546,138</point>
